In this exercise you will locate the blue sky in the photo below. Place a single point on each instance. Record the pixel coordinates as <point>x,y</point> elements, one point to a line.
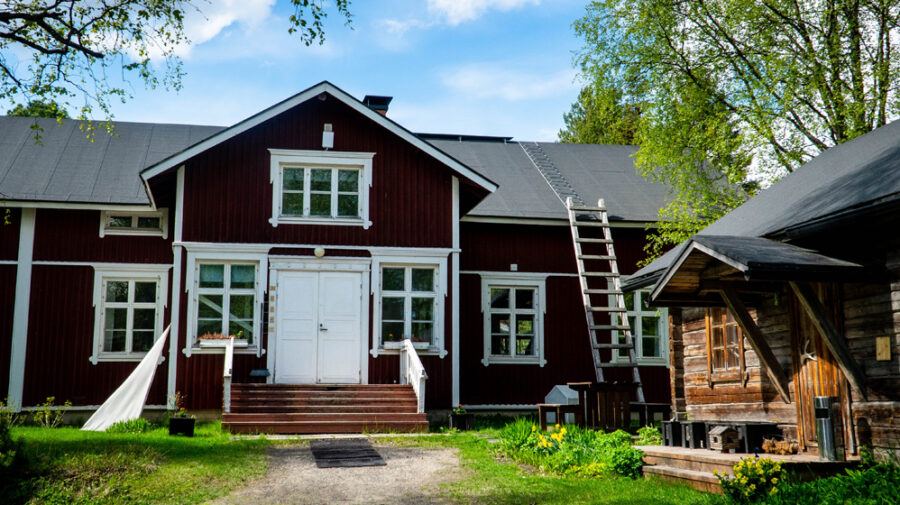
<point>501,67</point>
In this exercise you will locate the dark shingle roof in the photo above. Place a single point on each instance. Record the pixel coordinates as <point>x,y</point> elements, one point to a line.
<point>861,172</point>
<point>594,171</point>
<point>65,166</point>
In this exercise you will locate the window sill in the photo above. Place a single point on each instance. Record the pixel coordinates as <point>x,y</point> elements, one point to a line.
<point>509,360</point>
<point>121,358</point>
<point>134,232</point>
<point>322,221</point>
<point>421,351</point>
<point>221,350</point>
<point>222,343</point>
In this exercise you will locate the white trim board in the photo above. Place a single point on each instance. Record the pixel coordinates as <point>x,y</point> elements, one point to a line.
<point>125,207</point>
<point>299,98</point>
<point>538,221</point>
<point>19,339</point>
<point>454,304</point>
<point>516,275</point>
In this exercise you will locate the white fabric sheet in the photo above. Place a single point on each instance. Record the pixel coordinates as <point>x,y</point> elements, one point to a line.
<point>127,402</point>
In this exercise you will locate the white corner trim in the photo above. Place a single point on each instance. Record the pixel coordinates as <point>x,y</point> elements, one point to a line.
<point>19,339</point>
<point>175,313</point>
<point>303,96</point>
<point>454,303</point>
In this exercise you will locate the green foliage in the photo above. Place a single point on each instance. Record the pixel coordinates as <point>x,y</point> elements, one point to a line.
<point>732,92</point>
<point>649,435</point>
<point>10,449</point>
<point>49,415</point>
<point>600,116</point>
<point>874,484</point>
<point>569,450</point>
<point>39,108</point>
<point>754,480</point>
<point>63,51</point>
<point>137,425</point>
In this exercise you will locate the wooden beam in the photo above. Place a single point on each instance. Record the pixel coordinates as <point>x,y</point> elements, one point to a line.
<point>758,342</point>
<point>836,342</point>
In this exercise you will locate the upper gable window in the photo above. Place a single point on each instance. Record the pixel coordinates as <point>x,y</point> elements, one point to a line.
<point>151,223</point>
<point>320,187</point>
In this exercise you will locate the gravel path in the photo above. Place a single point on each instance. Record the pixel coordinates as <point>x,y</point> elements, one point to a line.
<point>411,477</point>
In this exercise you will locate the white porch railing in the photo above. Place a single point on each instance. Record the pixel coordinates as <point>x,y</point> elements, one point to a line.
<point>226,376</point>
<point>412,372</point>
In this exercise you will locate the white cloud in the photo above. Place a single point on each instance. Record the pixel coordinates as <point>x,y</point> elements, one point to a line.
<point>495,80</point>
<point>455,12</point>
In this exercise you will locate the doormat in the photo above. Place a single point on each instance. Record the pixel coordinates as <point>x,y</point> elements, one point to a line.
<point>345,453</point>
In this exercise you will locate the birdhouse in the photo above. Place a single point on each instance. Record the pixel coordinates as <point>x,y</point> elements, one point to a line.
<point>724,438</point>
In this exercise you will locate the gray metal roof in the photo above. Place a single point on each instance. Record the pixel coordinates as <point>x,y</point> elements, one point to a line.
<point>594,171</point>
<point>861,172</point>
<point>65,166</point>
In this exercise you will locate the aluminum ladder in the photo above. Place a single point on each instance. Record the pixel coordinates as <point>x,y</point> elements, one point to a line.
<point>610,314</point>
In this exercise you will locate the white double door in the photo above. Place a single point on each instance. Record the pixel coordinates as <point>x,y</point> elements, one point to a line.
<point>318,327</point>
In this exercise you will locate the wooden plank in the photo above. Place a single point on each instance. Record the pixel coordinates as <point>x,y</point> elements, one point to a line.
<point>834,340</point>
<point>758,342</point>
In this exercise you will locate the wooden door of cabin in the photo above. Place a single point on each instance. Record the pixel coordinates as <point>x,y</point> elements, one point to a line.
<point>816,372</point>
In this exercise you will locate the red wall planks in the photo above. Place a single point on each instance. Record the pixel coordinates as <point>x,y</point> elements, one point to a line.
<point>9,235</point>
<point>7,301</point>
<point>74,235</point>
<point>228,194</point>
<point>60,338</point>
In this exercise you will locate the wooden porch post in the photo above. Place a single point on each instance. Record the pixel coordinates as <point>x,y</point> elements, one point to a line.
<point>757,342</point>
<point>832,338</point>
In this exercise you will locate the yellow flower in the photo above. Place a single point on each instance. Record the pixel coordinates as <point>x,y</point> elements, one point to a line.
<point>557,426</point>
<point>563,431</point>
<point>533,427</point>
<point>774,480</point>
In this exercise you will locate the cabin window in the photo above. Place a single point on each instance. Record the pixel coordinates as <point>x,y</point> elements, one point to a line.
<point>325,187</point>
<point>513,311</point>
<point>725,346</point>
<point>129,309</point>
<point>226,301</point>
<point>154,224</point>
<point>649,329</point>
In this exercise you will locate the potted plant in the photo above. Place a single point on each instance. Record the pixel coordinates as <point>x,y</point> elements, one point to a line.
<point>219,339</point>
<point>181,422</point>
<point>461,420</point>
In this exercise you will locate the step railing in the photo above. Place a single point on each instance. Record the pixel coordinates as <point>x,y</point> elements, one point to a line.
<point>226,376</point>
<point>412,372</point>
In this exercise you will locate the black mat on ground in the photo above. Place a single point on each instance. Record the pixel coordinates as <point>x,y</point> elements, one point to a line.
<point>345,453</point>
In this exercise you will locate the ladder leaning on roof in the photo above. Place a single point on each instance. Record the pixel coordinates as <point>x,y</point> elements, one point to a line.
<point>612,314</point>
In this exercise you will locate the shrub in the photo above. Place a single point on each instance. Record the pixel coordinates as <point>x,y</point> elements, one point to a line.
<point>649,435</point>
<point>11,455</point>
<point>137,425</point>
<point>48,415</point>
<point>755,479</point>
<point>570,450</point>
<point>872,485</point>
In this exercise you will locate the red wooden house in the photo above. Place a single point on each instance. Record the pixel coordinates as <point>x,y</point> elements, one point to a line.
<point>320,234</point>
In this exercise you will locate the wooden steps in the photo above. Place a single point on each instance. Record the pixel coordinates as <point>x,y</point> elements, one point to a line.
<point>302,409</point>
<point>695,467</point>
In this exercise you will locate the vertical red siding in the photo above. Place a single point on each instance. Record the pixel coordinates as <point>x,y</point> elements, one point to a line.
<point>9,235</point>
<point>60,338</point>
<point>228,194</point>
<point>546,249</point>
<point>74,235</point>
<point>7,301</point>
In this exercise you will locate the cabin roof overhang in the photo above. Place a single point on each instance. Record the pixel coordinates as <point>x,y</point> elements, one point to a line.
<point>752,265</point>
<point>179,158</point>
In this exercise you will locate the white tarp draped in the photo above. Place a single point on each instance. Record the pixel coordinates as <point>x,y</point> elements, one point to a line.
<point>127,402</point>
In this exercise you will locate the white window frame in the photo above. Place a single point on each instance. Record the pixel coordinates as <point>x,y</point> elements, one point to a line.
<point>499,280</point>
<point>210,255</point>
<point>126,272</point>
<point>637,333</point>
<point>162,231</point>
<point>333,160</point>
<point>439,264</point>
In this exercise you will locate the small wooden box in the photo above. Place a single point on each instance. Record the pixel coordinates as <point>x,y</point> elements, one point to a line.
<point>724,439</point>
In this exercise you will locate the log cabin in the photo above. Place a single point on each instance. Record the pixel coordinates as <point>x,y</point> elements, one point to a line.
<point>328,240</point>
<point>794,295</point>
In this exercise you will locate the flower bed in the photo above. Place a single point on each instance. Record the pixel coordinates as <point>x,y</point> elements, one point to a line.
<point>569,450</point>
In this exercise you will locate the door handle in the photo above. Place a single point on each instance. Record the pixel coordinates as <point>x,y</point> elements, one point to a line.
<point>322,327</point>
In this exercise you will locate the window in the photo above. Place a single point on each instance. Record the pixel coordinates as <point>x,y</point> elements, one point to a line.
<point>134,223</point>
<point>408,305</point>
<point>328,187</point>
<point>226,301</point>
<point>128,310</point>
<point>513,311</point>
<point>725,346</point>
<point>649,329</point>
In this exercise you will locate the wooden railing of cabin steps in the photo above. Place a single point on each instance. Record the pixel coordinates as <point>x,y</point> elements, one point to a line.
<point>226,376</point>
<point>412,372</point>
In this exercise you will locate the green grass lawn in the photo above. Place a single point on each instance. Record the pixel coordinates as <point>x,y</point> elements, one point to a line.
<point>71,466</point>
<point>68,466</point>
